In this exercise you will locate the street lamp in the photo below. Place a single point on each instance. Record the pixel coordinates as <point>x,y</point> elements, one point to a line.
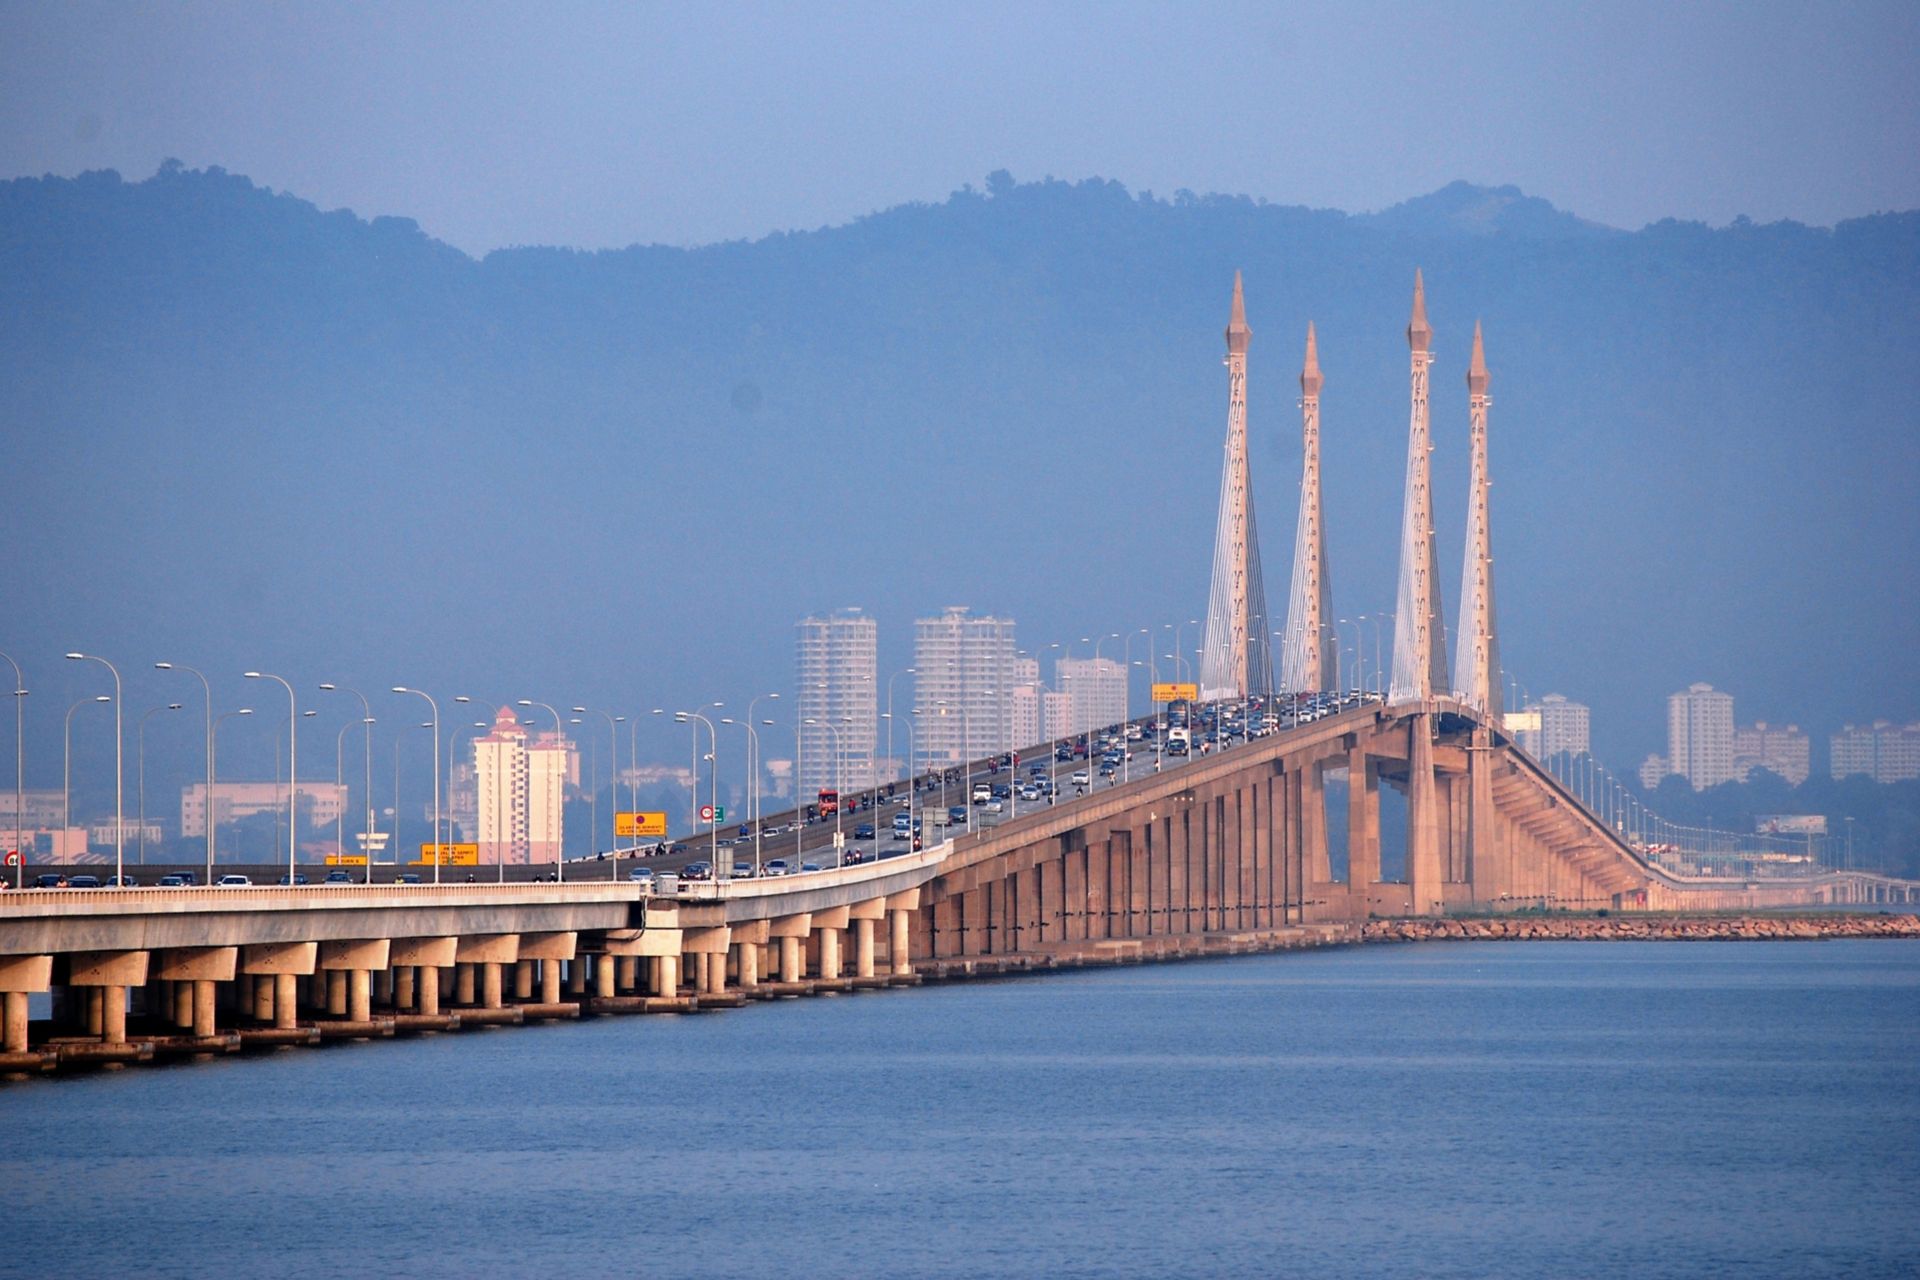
<point>435,840</point>
<point>559,742</point>
<point>66,803</point>
<point>119,768</point>
<point>613,771</point>
<point>141,758</point>
<point>366,713</point>
<point>293,767</point>
<point>753,770</point>
<point>713,795</point>
<point>214,738</point>
<point>206,689</point>
<point>19,772</point>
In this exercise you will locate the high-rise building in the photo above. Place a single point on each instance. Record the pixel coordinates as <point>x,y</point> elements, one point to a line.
<point>321,803</point>
<point>1883,751</point>
<point>1700,736</point>
<point>1564,728</point>
<point>1096,690</point>
<point>964,677</point>
<point>1026,702</point>
<point>519,792</point>
<point>1784,751</point>
<point>1652,770</point>
<point>838,700</point>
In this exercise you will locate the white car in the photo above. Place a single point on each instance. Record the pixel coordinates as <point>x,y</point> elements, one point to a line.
<point>233,882</point>
<point>1081,778</point>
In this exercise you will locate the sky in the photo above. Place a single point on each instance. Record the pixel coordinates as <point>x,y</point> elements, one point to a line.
<point>606,125</point>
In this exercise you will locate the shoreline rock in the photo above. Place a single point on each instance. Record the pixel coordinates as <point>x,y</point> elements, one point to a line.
<point>1646,928</point>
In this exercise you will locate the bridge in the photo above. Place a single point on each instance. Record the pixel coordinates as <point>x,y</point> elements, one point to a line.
<point>1219,851</point>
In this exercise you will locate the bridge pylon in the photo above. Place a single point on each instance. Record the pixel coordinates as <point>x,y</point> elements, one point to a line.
<point>1419,633</point>
<point>1237,658</point>
<point>1476,673</point>
<point>1307,654</point>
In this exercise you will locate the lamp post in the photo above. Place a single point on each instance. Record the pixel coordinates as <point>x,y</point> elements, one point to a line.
<point>293,767</point>
<point>66,787</point>
<point>435,840</point>
<point>908,671</point>
<point>559,740</point>
<point>966,751</point>
<point>753,770</point>
<point>19,772</point>
<point>713,795</point>
<point>613,771</point>
<point>292,781</point>
<point>141,758</point>
<point>214,739</point>
<point>119,767</point>
<point>453,752</point>
<point>207,689</point>
<point>366,713</point>
<point>1126,660</point>
<point>839,807</point>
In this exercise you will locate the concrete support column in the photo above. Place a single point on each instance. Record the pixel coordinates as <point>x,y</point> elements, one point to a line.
<point>113,1014</point>
<point>829,952</point>
<point>666,976</point>
<point>550,982</point>
<point>1424,870</point>
<point>427,990</point>
<point>490,986</point>
<point>383,987</point>
<point>749,964</point>
<point>1363,829</point>
<point>96,1019</point>
<point>523,980</point>
<point>203,991</point>
<point>577,976</point>
<point>183,1005</point>
<point>359,995</point>
<point>863,948</point>
<point>286,1000</point>
<point>624,971</point>
<point>403,987</point>
<point>604,972</point>
<point>337,992</point>
<point>15,1019</point>
<point>463,983</point>
<point>790,960</point>
<point>897,943</point>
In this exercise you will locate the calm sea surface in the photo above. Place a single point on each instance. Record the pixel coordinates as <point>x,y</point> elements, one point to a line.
<point>1535,1110</point>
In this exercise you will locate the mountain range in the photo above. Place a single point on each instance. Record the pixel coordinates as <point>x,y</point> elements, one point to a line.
<point>243,432</point>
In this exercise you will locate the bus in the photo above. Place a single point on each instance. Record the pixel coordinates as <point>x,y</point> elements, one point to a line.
<point>829,802</point>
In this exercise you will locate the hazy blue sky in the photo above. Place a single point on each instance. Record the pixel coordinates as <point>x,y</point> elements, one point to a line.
<point>597,125</point>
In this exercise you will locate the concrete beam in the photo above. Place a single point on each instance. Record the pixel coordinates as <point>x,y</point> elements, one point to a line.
<point>549,946</point>
<point>298,958</point>
<point>356,957</point>
<point>790,926</point>
<point>905,900</point>
<point>431,953</point>
<point>26,973</point>
<point>637,942</point>
<point>833,918</point>
<point>871,909</point>
<point>754,932</point>
<point>487,948</point>
<point>107,968</point>
<point>708,941</point>
<point>195,964</point>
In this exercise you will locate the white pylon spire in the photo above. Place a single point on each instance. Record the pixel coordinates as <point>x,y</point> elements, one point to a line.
<point>1419,634</point>
<point>1236,658</point>
<point>1476,675</point>
<point>1307,652</point>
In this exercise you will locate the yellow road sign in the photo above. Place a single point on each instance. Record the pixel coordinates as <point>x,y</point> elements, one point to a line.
<point>346,859</point>
<point>640,824</point>
<point>448,855</point>
<point>1175,692</point>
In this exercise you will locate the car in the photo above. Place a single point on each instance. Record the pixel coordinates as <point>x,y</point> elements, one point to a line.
<point>641,875</point>
<point>234,881</point>
<point>956,814</point>
<point>1029,792</point>
<point>777,867</point>
<point>174,882</point>
<point>299,877</point>
<point>995,806</point>
<point>697,871</point>
<point>864,831</point>
<point>338,877</point>
<point>743,871</point>
<point>982,793</point>
<point>83,882</point>
<point>1107,770</point>
<point>1080,778</point>
<point>407,877</point>
<point>122,882</point>
<point>809,866</point>
<point>52,880</point>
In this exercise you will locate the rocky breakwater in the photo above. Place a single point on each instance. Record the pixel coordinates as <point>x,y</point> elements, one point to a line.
<point>1645,928</point>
